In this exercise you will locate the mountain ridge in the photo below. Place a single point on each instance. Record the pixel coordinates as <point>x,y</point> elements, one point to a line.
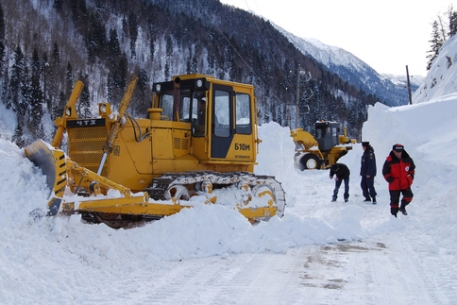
<point>354,70</point>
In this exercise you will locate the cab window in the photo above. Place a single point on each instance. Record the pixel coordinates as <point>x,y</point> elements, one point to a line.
<point>221,118</point>
<point>243,113</point>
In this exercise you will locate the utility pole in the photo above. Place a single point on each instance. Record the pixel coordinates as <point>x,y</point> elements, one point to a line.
<point>409,86</point>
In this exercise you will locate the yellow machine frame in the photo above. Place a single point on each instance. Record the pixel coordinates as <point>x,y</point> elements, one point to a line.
<point>116,152</point>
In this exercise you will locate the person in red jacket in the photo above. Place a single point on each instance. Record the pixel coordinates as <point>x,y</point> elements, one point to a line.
<point>398,170</point>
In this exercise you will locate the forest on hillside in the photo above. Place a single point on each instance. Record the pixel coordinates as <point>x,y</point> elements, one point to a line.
<point>46,45</point>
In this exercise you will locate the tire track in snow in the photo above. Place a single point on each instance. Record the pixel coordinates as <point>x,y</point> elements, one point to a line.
<point>426,261</point>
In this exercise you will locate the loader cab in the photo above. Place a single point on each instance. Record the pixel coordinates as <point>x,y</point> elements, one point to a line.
<point>327,134</point>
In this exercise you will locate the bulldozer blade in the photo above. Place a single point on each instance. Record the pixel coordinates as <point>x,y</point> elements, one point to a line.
<point>51,161</point>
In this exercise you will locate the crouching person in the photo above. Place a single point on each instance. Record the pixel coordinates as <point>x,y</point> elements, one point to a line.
<point>341,173</point>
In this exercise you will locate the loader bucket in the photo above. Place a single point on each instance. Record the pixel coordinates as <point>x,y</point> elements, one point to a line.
<point>52,163</point>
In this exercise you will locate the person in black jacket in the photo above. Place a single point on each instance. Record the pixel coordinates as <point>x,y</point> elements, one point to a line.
<point>341,171</point>
<point>368,172</point>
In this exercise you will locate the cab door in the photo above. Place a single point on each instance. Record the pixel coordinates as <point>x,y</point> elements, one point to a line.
<point>222,121</point>
<point>232,119</point>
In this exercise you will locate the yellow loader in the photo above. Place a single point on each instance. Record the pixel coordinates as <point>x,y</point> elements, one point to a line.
<point>322,150</point>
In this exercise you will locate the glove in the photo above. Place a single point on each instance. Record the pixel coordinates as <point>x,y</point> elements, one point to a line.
<point>410,179</point>
<point>390,179</point>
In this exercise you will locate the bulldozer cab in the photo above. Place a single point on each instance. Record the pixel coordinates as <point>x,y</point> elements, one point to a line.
<point>327,135</point>
<point>221,115</point>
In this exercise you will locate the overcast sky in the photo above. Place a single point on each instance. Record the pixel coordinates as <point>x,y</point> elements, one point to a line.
<point>387,35</point>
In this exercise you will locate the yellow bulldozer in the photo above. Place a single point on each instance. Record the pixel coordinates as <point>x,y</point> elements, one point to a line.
<point>322,150</point>
<point>200,138</point>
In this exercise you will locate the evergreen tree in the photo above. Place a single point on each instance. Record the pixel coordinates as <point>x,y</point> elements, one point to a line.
<point>114,48</point>
<point>436,42</point>
<point>59,105</point>
<point>121,73</point>
<point>69,79</point>
<point>141,100</point>
<point>452,23</point>
<point>56,63</point>
<point>96,36</point>
<point>169,53</point>
<point>2,39</point>
<point>26,93</point>
<point>84,99</point>
<point>2,24</point>
<point>16,97</point>
<point>133,31</point>
<point>152,37</point>
<point>55,83</point>
<point>189,62</point>
<point>48,94</point>
<point>18,132</point>
<point>16,83</point>
<point>2,57</point>
<point>36,98</point>
<point>357,114</point>
<point>58,5</point>
<point>4,95</point>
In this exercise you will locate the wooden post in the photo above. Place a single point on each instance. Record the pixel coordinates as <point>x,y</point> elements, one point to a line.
<point>409,86</point>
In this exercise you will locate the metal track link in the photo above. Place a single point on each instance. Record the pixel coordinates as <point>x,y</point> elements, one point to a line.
<point>160,185</point>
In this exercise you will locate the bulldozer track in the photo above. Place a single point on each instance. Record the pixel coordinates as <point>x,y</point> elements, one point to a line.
<point>159,186</point>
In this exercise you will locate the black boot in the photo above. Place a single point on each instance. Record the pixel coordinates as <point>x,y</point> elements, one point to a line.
<point>374,200</point>
<point>367,199</point>
<point>403,209</point>
<point>394,211</point>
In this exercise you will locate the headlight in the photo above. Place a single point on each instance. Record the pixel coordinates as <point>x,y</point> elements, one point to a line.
<point>199,83</point>
<point>68,112</point>
<point>103,109</point>
<point>158,87</point>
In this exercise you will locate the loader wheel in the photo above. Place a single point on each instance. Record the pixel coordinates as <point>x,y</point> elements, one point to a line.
<point>310,161</point>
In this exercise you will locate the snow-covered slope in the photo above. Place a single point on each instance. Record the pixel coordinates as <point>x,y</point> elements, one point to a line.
<point>441,80</point>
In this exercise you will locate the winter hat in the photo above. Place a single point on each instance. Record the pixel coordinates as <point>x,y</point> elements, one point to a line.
<point>365,144</point>
<point>398,147</point>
